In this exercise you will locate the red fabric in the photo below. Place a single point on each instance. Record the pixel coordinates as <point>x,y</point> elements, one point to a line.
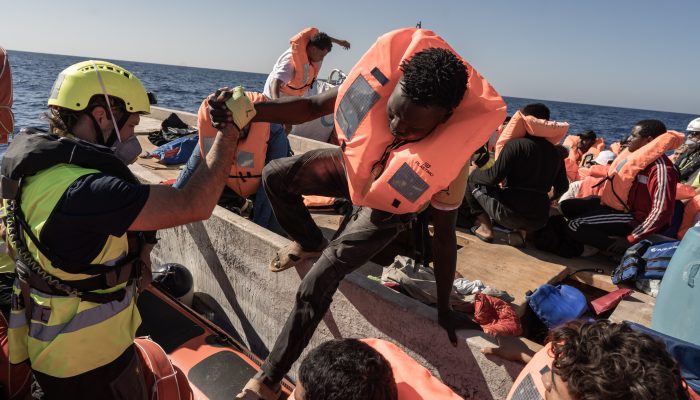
<point>652,198</point>
<point>610,300</point>
<point>15,379</point>
<point>495,316</point>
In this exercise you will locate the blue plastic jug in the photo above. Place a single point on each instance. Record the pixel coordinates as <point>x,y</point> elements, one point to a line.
<point>677,310</point>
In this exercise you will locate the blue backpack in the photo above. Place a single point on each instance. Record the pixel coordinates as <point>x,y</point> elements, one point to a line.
<point>556,305</point>
<point>645,260</point>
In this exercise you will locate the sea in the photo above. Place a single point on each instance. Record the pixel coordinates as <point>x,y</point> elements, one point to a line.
<point>183,88</point>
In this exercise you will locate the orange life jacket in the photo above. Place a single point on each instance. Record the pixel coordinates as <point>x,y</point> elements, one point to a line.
<point>615,147</point>
<point>412,172</point>
<point>624,169</point>
<point>684,191</point>
<point>529,382</point>
<point>690,215</point>
<point>413,381</point>
<point>246,171</point>
<point>7,121</point>
<point>305,72</point>
<point>591,183</point>
<point>519,125</point>
<point>572,142</point>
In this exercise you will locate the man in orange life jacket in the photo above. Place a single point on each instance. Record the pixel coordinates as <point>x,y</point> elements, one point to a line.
<point>649,206</point>
<point>429,85</point>
<point>297,68</point>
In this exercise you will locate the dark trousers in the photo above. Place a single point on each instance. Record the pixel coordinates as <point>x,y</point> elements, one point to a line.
<point>121,379</point>
<point>592,223</point>
<point>363,234</point>
<point>488,199</point>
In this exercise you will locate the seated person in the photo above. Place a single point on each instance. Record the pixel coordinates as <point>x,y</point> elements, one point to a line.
<point>259,143</point>
<point>527,168</point>
<point>367,369</point>
<point>590,177</point>
<point>583,147</point>
<point>637,198</point>
<point>595,360</point>
<point>687,157</point>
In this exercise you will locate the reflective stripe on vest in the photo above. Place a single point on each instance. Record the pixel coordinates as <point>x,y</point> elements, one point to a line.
<point>246,172</point>
<point>412,172</point>
<point>68,336</point>
<point>305,72</point>
<point>624,169</point>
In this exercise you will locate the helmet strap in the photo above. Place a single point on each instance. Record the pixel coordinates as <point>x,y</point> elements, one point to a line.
<point>109,104</point>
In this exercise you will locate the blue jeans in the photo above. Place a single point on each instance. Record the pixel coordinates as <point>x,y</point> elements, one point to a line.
<point>277,147</point>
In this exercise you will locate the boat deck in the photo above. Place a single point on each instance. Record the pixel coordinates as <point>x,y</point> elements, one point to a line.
<point>498,265</point>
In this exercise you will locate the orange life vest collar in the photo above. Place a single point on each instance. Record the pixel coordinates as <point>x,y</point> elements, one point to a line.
<point>519,125</point>
<point>415,171</point>
<point>413,381</point>
<point>305,72</point>
<point>246,171</point>
<point>624,169</point>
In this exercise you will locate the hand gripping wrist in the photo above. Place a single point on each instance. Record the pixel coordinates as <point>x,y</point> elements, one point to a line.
<point>241,107</point>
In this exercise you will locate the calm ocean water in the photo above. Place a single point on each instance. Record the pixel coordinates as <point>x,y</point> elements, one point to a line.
<point>183,88</point>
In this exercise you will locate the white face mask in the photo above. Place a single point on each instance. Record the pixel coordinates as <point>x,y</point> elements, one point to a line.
<point>129,149</point>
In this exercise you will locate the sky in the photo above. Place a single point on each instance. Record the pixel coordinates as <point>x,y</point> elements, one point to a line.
<point>637,54</point>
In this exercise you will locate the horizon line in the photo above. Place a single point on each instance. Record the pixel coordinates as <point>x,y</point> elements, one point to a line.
<point>263,73</point>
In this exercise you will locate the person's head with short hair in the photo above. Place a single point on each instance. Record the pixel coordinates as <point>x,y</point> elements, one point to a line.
<point>537,110</point>
<point>587,139</point>
<point>319,46</point>
<point>345,369</point>
<point>605,360</point>
<point>434,82</point>
<point>643,132</point>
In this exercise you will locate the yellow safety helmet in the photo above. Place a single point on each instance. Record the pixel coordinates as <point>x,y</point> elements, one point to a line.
<point>75,86</point>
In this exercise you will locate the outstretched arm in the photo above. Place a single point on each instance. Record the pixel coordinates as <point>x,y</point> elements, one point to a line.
<point>342,43</point>
<point>296,110</point>
<point>167,206</point>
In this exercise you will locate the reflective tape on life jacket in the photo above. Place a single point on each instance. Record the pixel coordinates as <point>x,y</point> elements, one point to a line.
<point>624,169</point>
<point>61,324</point>
<point>412,172</point>
<point>691,216</point>
<point>246,172</point>
<point>413,381</point>
<point>305,72</point>
<point>519,125</point>
<point>529,383</point>
<point>7,119</point>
